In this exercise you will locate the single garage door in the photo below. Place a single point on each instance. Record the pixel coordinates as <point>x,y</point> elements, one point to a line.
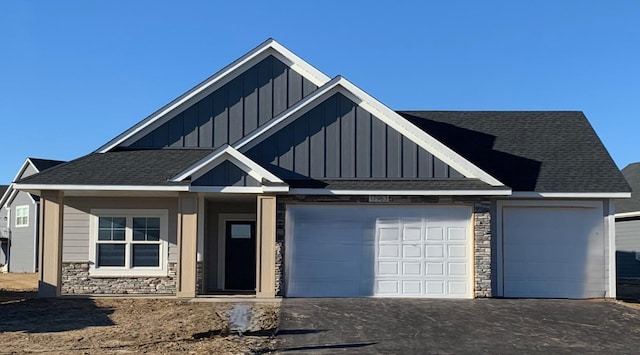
<point>553,252</point>
<point>386,251</point>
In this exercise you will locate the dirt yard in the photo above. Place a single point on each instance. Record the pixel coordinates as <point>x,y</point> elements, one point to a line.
<point>125,325</point>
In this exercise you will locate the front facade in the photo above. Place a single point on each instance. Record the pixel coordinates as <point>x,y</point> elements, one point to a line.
<point>270,178</point>
<point>19,221</point>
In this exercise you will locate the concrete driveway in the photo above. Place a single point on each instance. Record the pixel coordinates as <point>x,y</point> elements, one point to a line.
<point>418,326</point>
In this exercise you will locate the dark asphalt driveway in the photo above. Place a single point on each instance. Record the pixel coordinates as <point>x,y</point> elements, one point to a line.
<point>419,326</point>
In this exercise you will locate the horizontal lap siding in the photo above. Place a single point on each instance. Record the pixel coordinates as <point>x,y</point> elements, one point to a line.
<point>76,225</point>
<point>234,110</point>
<point>339,139</point>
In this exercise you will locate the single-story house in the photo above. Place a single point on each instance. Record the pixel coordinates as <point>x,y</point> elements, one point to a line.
<point>19,221</point>
<point>270,178</point>
<point>628,229</point>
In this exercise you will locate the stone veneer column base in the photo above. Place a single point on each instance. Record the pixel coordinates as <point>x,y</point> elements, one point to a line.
<point>76,280</point>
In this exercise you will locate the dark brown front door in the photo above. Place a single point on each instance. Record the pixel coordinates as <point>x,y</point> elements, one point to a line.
<point>240,255</point>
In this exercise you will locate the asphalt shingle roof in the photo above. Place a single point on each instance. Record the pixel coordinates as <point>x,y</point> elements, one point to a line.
<point>632,173</point>
<point>540,151</point>
<point>404,184</point>
<point>127,167</point>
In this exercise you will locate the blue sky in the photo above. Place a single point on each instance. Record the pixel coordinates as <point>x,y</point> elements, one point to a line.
<point>74,74</point>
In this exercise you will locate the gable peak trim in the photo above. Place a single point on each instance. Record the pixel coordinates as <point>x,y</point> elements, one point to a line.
<point>227,153</point>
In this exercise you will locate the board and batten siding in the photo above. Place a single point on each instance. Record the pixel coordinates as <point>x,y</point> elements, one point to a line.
<point>76,227</point>
<point>226,174</point>
<point>339,139</point>
<point>627,245</point>
<point>234,110</point>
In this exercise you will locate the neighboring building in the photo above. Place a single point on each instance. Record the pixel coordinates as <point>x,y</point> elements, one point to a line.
<point>19,221</point>
<point>271,178</point>
<point>4,233</point>
<point>628,227</point>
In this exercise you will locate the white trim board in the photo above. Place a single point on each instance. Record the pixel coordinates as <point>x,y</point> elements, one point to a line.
<point>385,114</point>
<point>217,80</point>
<point>527,194</point>
<point>627,214</point>
<point>304,191</point>
<point>226,152</point>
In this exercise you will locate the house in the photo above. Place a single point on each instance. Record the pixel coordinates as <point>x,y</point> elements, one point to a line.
<point>271,179</point>
<point>628,235</point>
<point>19,221</point>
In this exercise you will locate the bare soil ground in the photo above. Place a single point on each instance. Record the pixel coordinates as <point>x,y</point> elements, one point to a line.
<point>117,325</point>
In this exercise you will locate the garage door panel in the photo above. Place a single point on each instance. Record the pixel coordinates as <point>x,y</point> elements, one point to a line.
<point>400,252</point>
<point>556,252</point>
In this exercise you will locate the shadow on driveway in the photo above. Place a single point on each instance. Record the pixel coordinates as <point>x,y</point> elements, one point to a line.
<point>409,326</point>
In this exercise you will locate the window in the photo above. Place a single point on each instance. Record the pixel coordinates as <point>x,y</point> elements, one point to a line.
<point>22,216</point>
<point>128,242</point>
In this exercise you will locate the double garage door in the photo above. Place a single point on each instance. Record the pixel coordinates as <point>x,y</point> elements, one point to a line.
<point>386,251</point>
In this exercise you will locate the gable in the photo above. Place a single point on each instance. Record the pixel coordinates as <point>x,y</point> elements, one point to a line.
<point>226,174</point>
<point>340,139</point>
<point>232,111</point>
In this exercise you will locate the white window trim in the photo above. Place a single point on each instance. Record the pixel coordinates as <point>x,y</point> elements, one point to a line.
<point>18,208</point>
<point>113,271</point>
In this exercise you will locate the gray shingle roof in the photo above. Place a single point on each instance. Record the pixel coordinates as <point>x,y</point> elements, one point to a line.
<point>3,189</point>
<point>127,167</point>
<point>405,184</point>
<point>541,151</point>
<point>632,173</point>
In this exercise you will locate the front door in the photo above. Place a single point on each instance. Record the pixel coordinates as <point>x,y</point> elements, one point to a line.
<point>240,255</point>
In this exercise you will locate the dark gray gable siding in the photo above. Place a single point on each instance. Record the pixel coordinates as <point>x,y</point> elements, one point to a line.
<point>234,110</point>
<point>226,174</point>
<point>339,139</point>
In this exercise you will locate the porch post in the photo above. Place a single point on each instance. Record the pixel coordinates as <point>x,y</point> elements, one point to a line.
<point>266,242</point>
<point>50,243</point>
<point>187,244</point>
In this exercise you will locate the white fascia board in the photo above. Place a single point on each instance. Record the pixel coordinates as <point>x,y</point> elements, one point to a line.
<point>388,116</point>
<point>238,189</point>
<point>627,214</point>
<point>100,187</point>
<point>23,168</point>
<point>217,80</point>
<point>221,154</point>
<point>520,194</point>
<point>304,191</point>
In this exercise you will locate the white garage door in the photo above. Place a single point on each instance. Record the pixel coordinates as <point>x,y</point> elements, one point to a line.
<point>387,251</point>
<point>553,252</point>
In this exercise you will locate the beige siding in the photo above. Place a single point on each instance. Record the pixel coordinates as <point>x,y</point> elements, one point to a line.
<point>76,221</point>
